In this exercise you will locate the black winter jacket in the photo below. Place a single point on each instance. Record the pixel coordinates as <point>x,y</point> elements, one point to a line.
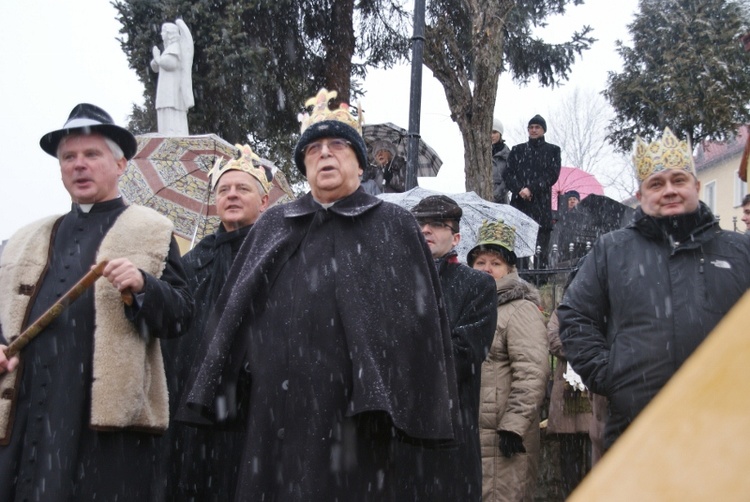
<point>534,165</point>
<point>645,297</point>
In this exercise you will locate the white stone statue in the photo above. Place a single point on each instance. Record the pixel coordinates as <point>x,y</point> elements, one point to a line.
<point>174,90</point>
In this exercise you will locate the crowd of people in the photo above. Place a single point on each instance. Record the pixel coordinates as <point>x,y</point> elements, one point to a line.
<point>335,347</point>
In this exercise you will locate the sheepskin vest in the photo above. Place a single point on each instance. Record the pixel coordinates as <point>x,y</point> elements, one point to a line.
<point>129,384</point>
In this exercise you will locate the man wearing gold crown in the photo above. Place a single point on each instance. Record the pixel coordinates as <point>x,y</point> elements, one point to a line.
<point>203,461</point>
<point>647,295</point>
<point>333,305</point>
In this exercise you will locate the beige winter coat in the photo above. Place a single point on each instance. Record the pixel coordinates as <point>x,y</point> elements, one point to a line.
<point>514,377</point>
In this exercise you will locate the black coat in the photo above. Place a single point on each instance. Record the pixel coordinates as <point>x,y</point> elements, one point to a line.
<point>201,462</point>
<point>500,152</point>
<point>336,313</point>
<point>471,302</point>
<point>644,300</point>
<point>534,165</point>
<point>53,454</point>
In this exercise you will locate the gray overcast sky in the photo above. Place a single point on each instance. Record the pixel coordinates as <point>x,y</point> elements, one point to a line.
<point>55,54</point>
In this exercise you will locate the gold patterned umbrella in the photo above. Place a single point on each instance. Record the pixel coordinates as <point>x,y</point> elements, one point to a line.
<point>170,175</point>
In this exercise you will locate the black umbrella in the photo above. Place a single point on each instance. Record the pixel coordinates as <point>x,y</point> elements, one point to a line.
<point>577,229</point>
<point>428,161</point>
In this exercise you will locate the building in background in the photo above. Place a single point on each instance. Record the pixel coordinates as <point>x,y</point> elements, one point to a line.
<point>717,166</point>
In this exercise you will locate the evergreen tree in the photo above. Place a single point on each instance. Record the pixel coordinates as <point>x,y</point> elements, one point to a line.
<point>686,70</point>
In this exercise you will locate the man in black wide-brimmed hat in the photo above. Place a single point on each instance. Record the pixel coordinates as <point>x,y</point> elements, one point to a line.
<point>81,404</point>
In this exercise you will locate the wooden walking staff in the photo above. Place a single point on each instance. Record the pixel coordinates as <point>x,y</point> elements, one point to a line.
<point>56,309</point>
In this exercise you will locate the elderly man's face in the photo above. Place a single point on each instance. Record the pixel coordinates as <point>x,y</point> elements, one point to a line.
<point>668,193</point>
<point>239,199</point>
<point>89,170</point>
<point>332,169</point>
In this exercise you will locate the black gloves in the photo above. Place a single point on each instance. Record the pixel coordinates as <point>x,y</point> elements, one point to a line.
<point>510,443</point>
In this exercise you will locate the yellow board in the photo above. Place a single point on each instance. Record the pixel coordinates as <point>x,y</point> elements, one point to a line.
<point>693,441</point>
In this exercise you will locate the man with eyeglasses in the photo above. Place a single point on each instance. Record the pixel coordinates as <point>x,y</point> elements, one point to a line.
<point>333,307</point>
<point>471,303</point>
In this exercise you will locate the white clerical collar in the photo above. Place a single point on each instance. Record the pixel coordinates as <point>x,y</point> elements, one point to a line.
<point>325,205</point>
<point>86,208</point>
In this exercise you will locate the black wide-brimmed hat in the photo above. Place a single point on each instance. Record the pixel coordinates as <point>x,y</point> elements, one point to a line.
<point>86,119</point>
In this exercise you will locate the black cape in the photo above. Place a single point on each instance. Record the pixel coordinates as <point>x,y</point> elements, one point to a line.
<point>199,462</point>
<point>454,474</point>
<point>336,315</point>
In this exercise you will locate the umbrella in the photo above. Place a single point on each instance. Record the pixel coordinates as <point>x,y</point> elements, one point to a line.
<point>572,178</point>
<point>428,162</point>
<point>576,230</point>
<point>475,211</point>
<point>170,175</point>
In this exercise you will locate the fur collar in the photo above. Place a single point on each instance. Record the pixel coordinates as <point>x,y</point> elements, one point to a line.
<point>512,287</point>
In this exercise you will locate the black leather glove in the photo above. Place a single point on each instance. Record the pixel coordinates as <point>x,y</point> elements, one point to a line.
<point>510,443</point>
<point>387,174</point>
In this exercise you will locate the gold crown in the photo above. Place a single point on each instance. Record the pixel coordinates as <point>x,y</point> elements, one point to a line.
<point>497,233</point>
<point>246,162</point>
<point>321,112</point>
<point>665,153</point>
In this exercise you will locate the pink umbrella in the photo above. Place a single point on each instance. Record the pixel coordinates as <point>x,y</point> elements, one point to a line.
<point>572,178</point>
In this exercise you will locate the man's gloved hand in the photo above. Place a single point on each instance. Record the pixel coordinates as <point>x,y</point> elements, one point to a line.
<point>510,443</point>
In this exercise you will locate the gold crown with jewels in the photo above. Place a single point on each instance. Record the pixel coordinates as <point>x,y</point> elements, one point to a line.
<point>350,116</point>
<point>663,153</point>
<point>498,233</point>
<point>247,162</point>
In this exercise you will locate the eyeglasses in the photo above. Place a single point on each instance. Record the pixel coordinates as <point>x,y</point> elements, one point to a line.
<point>436,225</point>
<point>334,145</point>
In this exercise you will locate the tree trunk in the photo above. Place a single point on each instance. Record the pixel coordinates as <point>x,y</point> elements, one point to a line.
<point>339,45</point>
<point>471,91</point>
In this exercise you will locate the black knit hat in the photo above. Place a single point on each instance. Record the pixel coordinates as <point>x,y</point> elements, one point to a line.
<point>539,120</point>
<point>572,193</point>
<point>330,129</point>
<point>87,119</point>
<point>437,207</point>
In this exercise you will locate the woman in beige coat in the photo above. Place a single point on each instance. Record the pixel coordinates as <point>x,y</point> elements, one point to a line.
<point>514,375</point>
